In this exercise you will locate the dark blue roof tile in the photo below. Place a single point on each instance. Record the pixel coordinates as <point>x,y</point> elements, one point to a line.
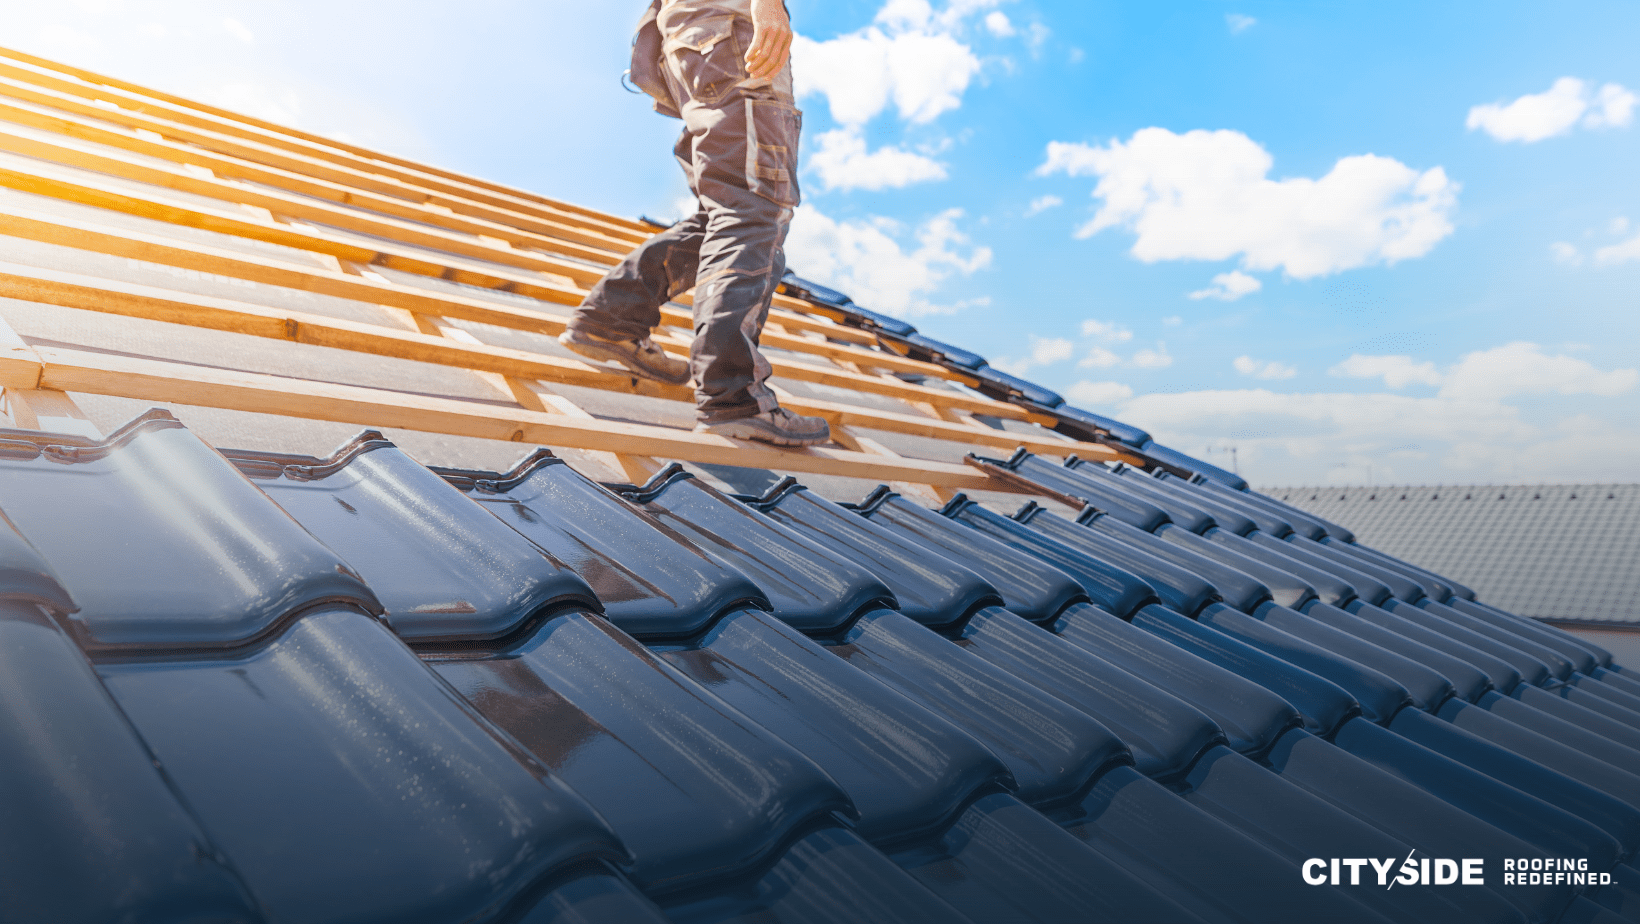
<point>1553,830</point>
<point>1237,588</point>
<point>1126,507</point>
<point>1530,717</point>
<point>1329,588</point>
<point>817,590</point>
<point>1581,656</point>
<point>1379,694</point>
<point>1615,779</point>
<point>1540,647</point>
<point>928,587</point>
<point>1533,671</point>
<point>1428,687</point>
<point>1224,516</point>
<point>1413,815</point>
<point>25,577</point>
<point>348,783</point>
<point>1268,548</point>
<point>1501,673</point>
<point>1333,560</point>
<point>1433,587</point>
<point>1325,705</point>
<point>653,583</point>
<point>696,791</point>
<point>163,544</point>
<point>909,772</point>
<point>445,569</point>
<point>1210,867</point>
<point>1252,503</point>
<point>1190,516</point>
<point>1179,588</point>
<point>93,830</point>
<point>1165,734</point>
<point>1215,475</point>
<point>1285,586</point>
<point>1053,750</point>
<point>1468,681</point>
<point>1616,818</point>
<point>1299,825</point>
<point>1118,591</point>
<point>1031,588</point>
<point>1251,716</point>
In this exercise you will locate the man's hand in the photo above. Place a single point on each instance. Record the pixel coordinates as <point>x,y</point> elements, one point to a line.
<point>771,39</point>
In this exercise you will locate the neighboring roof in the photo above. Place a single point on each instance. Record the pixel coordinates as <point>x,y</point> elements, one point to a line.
<point>444,673</point>
<point>1566,552</point>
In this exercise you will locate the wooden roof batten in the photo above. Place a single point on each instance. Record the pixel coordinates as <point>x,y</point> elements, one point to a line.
<point>340,218</point>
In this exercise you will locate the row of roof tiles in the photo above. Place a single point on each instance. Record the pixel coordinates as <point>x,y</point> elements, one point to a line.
<point>258,687</point>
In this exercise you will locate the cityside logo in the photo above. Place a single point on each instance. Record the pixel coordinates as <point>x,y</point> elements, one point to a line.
<point>1426,871</point>
<point>1432,871</point>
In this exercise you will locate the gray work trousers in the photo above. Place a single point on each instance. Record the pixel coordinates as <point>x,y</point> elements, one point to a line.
<point>739,152</point>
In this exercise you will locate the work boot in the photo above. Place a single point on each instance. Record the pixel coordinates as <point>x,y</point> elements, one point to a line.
<point>779,426</point>
<point>641,357</point>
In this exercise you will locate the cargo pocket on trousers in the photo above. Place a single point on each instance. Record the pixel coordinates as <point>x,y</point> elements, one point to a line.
<point>706,59</point>
<point>772,129</point>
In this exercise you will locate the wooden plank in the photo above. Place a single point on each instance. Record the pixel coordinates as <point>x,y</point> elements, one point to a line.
<point>536,396</point>
<point>19,365</point>
<point>29,406</point>
<point>497,250</point>
<point>434,340</point>
<point>515,226</point>
<point>512,227</point>
<point>168,382</point>
<point>189,121</point>
<point>375,289</point>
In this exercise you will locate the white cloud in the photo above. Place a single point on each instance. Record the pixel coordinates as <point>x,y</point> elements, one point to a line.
<point>1153,359</point>
<point>1302,438</point>
<point>1555,111</point>
<point>1229,286</point>
<point>239,31</point>
<point>1085,392</point>
<point>1239,23</point>
<point>1565,254</point>
<point>1042,204</point>
<point>1517,368</point>
<point>1172,321</point>
<point>872,261</point>
<point>998,25</point>
<point>842,162</point>
<point>1045,351</point>
<point>909,57</point>
<point>1099,358</point>
<point>1613,107</point>
<point>1207,196</point>
<point>1259,369</point>
<point>1396,371</point>
<point>1523,369</point>
<point>1037,36</point>
<point>1618,225</point>
<point>1626,252</point>
<point>1108,331</point>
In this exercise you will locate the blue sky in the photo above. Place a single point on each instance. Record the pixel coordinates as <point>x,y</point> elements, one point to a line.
<point>1412,230</point>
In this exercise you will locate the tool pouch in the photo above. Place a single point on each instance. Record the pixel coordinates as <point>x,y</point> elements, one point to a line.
<point>648,71</point>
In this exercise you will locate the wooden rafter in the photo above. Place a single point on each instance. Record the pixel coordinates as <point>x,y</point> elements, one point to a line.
<point>340,217</point>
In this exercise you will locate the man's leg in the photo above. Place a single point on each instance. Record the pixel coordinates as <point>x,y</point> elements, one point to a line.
<point>614,321</point>
<point>745,159</point>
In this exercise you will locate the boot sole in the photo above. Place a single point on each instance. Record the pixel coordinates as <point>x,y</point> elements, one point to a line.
<point>735,429</point>
<point>594,350</point>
